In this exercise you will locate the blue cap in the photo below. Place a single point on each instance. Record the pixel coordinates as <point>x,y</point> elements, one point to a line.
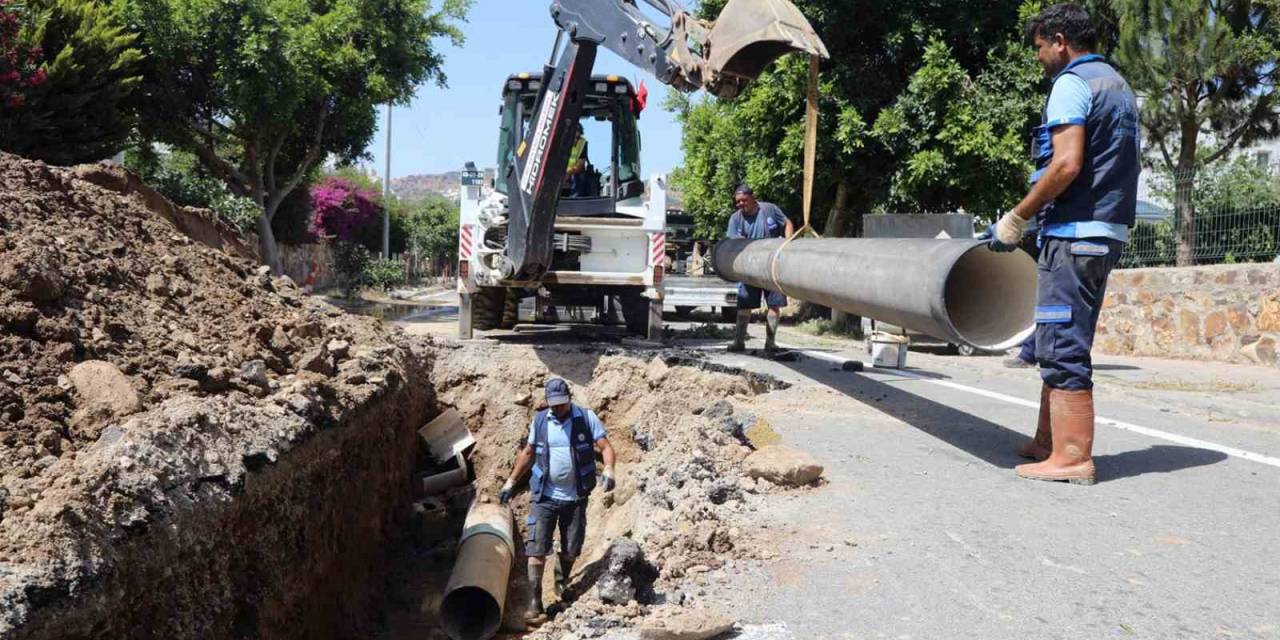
<point>557,392</point>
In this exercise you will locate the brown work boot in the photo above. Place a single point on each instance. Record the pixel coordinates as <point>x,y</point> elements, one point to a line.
<point>1039,447</point>
<point>1071,419</point>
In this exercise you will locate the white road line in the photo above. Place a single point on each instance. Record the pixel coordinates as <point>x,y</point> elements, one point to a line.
<point>1124,426</point>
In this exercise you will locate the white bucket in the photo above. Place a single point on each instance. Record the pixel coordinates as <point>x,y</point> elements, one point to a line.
<point>889,351</point>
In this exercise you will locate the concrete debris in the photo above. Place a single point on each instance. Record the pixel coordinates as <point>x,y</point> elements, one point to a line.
<point>254,372</point>
<point>447,436</point>
<point>627,576</point>
<point>685,624</point>
<point>783,465</point>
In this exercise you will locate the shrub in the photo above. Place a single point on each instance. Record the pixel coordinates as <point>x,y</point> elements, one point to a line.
<point>384,274</point>
<point>350,261</point>
<point>340,209</point>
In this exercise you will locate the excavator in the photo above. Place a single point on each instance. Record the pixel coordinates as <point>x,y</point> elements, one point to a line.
<point>531,238</point>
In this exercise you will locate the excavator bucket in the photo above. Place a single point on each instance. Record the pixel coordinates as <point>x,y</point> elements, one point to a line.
<point>748,36</point>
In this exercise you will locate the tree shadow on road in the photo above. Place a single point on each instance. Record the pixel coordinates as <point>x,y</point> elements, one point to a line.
<point>984,439</point>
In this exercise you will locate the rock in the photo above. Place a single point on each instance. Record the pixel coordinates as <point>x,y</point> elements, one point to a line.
<point>280,341</point>
<point>191,371</point>
<point>783,465</point>
<point>254,372</point>
<point>100,385</point>
<point>157,286</point>
<point>217,380</point>
<point>627,575</point>
<point>1260,350</point>
<point>339,348</point>
<point>656,371</point>
<point>721,409</point>
<point>686,624</point>
<point>1269,316</point>
<point>262,270</point>
<point>316,360</point>
<point>33,277</point>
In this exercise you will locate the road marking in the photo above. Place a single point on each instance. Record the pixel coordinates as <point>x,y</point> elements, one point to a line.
<point>1118,424</point>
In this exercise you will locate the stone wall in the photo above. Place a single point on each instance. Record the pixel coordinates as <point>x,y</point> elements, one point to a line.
<point>308,264</point>
<point>1226,313</point>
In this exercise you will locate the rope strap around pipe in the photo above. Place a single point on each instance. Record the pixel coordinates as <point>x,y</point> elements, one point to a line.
<point>810,162</point>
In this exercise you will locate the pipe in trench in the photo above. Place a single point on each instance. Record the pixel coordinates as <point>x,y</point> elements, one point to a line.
<point>477,590</point>
<point>955,290</point>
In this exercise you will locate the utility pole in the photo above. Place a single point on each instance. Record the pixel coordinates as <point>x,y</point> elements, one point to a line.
<point>386,195</point>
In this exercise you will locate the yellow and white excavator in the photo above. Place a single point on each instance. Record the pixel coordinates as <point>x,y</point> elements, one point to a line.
<point>528,241</point>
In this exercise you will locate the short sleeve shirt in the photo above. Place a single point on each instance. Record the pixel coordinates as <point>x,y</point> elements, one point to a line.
<point>769,222</point>
<point>562,484</point>
<point>1070,102</point>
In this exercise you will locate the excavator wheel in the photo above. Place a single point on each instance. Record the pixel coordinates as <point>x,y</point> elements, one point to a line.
<point>510,310</point>
<point>635,312</point>
<point>487,308</point>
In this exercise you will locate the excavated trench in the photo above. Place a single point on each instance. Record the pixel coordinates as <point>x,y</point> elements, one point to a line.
<point>331,538</point>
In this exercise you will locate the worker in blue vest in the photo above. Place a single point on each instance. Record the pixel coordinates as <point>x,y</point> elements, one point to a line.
<point>561,452</point>
<point>1087,157</point>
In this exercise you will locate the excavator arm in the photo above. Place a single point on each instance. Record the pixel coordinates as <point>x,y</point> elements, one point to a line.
<point>721,57</point>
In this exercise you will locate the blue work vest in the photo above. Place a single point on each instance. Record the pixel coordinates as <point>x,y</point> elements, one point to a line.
<point>1107,188</point>
<point>581,444</point>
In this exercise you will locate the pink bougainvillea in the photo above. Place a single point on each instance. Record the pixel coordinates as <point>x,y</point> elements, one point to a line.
<point>339,209</point>
<point>19,64</point>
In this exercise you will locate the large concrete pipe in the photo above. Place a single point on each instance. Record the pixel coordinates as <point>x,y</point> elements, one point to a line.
<point>477,589</point>
<point>955,290</point>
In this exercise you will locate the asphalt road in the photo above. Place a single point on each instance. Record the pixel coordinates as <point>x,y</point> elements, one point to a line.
<point>923,531</point>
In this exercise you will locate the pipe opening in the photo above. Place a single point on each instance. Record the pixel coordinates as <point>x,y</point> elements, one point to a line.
<point>991,297</point>
<point>470,613</point>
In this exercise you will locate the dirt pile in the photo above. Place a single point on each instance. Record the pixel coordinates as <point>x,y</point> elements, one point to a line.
<point>667,525</point>
<point>143,374</point>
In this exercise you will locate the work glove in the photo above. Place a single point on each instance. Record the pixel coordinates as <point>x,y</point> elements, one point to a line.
<point>504,496</point>
<point>607,481</point>
<point>1007,233</point>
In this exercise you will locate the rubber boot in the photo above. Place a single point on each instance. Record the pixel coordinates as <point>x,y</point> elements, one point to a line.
<point>1071,420</point>
<point>1039,447</point>
<point>536,613</point>
<point>771,330</point>
<point>564,570</point>
<point>740,332</point>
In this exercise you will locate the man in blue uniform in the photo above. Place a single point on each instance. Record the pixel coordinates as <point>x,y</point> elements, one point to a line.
<point>1087,160</point>
<point>563,439</point>
<point>755,220</point>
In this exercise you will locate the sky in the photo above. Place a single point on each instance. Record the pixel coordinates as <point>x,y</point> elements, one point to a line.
<point>444,128</point>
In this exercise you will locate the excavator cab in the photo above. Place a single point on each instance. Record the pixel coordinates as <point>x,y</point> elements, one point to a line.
<point>604,168</point>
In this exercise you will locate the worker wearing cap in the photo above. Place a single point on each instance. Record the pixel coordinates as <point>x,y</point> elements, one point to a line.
<point>563,439</point>
<point>756,220</point>
<point>1087,160</point>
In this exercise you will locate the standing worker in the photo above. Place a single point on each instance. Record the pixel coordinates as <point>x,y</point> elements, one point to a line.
<point>755,220</point>
<point>563,439</point>
<point>1087,155</point>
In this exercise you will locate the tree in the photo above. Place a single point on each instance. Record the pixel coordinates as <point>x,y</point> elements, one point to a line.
<point>341,209</point>
<point>876,48</point>
<point>76,106</point>
<point>262,91</point>
<point>962,140</point>
<point>433,228</point>
<point>1237,206</point>
<point>1206,73</point>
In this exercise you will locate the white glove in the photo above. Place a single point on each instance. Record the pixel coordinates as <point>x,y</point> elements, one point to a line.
<point>1010,228</point>
<point>504,496</point>
<point>607,480</point>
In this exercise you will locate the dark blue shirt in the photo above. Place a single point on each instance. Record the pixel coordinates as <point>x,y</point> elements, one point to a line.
<point>769,222</point>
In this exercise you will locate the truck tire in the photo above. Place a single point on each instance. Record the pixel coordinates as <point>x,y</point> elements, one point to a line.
<point>487,306</point>
<point>684,312</point>
<point>510,310</point>
<point>729,314</point>
<point>635,312</point>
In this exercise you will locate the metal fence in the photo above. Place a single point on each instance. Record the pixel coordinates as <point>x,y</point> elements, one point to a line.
<point>1235,218</point>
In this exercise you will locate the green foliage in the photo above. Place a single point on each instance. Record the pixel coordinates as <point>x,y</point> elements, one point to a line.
<point>350,262</point>
<point>431,227</point>
<point>384,274</point>
<point>1237,215</point>
<point>876,49</point>
<point>81,111</point>
<point>287,83</point>
<point>962,140</point>
<point>179,177</point>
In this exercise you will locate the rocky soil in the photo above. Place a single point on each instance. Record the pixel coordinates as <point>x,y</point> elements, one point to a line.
<point>681,441</point>
<point>142,372</point>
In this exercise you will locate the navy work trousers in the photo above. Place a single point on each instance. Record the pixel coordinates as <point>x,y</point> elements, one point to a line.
<point>1073,284</point>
